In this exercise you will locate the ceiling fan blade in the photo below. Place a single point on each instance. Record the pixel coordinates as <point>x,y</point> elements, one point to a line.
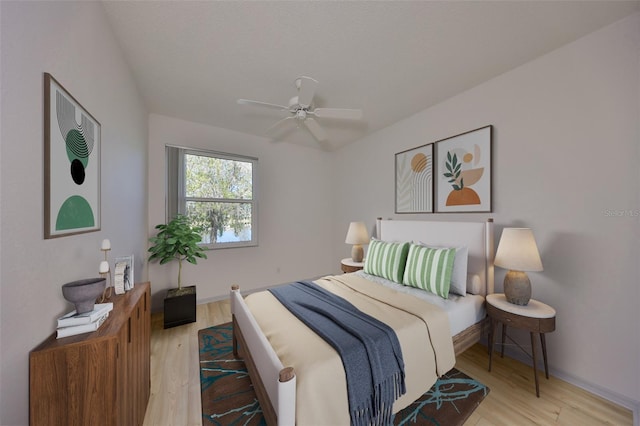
<point>315,129</point>
<point>262,104</point>
<point>308,87</point>
<point>341,113</point>
<point>278,124</point>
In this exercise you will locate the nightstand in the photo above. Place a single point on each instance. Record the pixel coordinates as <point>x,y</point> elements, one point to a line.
<point>348,265</point>
<point>536,317</point>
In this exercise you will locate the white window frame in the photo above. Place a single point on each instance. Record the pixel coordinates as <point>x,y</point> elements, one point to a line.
<point>176,199</point>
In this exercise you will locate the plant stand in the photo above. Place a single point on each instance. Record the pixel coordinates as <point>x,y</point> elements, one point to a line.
<point>180,308</point>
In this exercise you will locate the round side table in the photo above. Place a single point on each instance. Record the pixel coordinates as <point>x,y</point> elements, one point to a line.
<point>348,265</point>
<point>536,317</point>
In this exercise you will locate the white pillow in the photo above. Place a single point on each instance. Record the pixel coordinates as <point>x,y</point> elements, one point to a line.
<point>474,284</point>
<point>459,274</point>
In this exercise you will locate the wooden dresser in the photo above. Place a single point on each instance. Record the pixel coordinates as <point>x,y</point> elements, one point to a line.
<point>98,378</point>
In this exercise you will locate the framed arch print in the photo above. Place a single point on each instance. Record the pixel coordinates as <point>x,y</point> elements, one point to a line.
<point>463,172</point>
<point>71,164</point>
<point>414,180</point>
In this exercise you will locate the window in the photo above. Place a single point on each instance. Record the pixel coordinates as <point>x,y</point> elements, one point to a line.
<point>217,192</point>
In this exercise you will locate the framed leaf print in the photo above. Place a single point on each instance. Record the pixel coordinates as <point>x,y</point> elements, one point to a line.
<point>463,172</point>
<point>71,164</point>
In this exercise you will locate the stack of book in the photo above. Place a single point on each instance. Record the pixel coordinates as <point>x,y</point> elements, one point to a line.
<point>72,323</point>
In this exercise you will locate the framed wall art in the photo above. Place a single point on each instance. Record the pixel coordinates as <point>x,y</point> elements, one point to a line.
<point>414,180</point>
<point>71,164</point>
<point>463,172</point>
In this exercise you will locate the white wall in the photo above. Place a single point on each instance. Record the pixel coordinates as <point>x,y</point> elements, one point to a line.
<point>294,213</point>
<point>73,42</point>
<point>566,154</point>
<point>566,150</point>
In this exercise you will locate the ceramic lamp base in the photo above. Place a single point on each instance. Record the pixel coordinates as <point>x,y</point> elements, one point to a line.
<point>517,288</point>
<point>357,253</point>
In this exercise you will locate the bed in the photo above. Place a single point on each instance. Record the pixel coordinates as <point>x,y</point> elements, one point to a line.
<point>276,384</point>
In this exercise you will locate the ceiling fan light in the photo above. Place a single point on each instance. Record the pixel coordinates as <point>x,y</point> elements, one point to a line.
<point>301,110</point>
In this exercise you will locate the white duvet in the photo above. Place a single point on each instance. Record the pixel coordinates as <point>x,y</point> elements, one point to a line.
<point>321,394</point>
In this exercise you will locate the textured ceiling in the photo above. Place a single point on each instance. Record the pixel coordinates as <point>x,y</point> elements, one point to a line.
<point>194,59</point>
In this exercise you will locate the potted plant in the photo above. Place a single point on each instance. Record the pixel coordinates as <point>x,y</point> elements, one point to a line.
<point>177,240</point>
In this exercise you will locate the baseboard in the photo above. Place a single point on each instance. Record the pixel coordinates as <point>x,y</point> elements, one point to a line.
<point>226,296</point>
<point>255,290</point>
<point>600,391</point>
<point>605,393</point>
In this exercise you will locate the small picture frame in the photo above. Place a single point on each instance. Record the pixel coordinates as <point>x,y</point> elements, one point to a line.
<point>124,266</point>
<point>463,172</point>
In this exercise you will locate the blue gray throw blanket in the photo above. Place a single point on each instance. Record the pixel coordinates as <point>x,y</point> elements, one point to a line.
<point>369,349</point>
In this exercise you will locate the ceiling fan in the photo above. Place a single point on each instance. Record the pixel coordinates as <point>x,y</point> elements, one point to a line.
<point>301,109</point>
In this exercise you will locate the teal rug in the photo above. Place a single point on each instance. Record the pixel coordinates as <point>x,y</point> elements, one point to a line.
<point>228,397</point>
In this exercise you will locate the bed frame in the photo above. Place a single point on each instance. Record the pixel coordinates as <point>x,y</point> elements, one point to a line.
<point>275,384</point>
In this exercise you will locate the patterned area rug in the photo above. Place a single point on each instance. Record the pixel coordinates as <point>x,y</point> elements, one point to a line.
<point>228,397</point>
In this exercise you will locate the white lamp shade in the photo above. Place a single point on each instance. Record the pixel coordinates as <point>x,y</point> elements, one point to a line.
<point>104,267</point>
<point>518,251</point>
<point>106,245</point>
<point>357,233</point>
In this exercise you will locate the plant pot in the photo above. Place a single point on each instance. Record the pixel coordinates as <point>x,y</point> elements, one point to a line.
<point>180,306</point>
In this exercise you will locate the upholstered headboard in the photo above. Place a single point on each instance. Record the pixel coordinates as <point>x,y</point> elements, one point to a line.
<point>477,236</point>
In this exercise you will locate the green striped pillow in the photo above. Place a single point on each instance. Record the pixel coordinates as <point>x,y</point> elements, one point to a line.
<point>430,269</point>
<point>386,260</point>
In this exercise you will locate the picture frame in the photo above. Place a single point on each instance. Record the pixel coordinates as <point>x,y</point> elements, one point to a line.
<point>414,180</point>
<point>128,279</point>
<point>72,144</point>
<point>463,171</point>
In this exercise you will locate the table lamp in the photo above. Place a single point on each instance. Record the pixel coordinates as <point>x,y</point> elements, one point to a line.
<point>357,235</point>
<point>518,252</point>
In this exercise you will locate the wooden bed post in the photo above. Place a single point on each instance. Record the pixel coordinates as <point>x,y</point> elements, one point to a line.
<point>286,374</point>
<point>489,259</point>
<point>234,325</point>
<point>378,225</point>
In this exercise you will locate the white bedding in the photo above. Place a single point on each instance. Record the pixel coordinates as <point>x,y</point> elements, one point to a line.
<point>463,312</point>
<point>321,389</point>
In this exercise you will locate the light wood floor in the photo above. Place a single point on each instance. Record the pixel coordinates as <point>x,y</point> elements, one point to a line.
<point>175,384</point>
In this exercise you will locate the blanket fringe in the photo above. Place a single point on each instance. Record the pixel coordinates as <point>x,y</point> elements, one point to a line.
<point>370,350</point>
<point>378,411</point>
